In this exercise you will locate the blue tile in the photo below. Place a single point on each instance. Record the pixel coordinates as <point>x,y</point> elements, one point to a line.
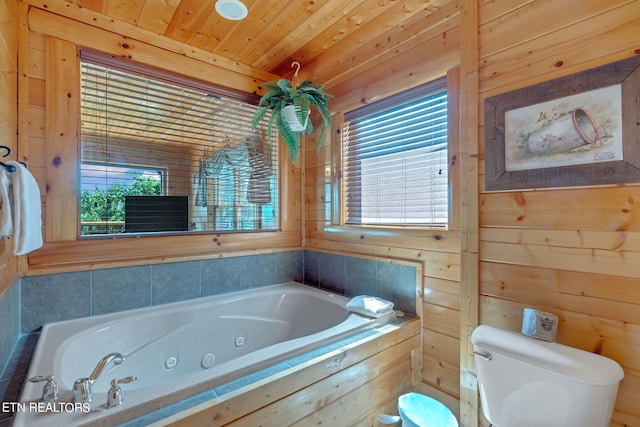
<point>360,277</point>
<point>120,289</point>
<point>397,283</point>
<point>6,331</point>
<point>311,268</point>
<point>175,282</point>
<point>331,270</point>
<point>221,275</point>
<point>54,297</point>
<point>258,270</point>
<point>15,292</point>
<point>289,267</point>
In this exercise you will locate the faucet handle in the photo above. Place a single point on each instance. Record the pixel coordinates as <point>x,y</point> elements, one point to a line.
<point>114,397</point>
<point>50,388</point>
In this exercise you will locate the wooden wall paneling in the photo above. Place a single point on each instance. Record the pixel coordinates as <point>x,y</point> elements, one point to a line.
<point>291,196</point>
<point>469,249</point>
<point>63,101</point>
<point>384,252</point>
<point>595,239</point>
<point>24,123</point>
<point>627,411</point>
<point>441,319</point>
<point>502,313</point>
<point>611,34</point>
<point>454,145</point>
<point>614,263</point>
<point>440,363</point>
<point>436,240</point>
<point>9,36</point>
<point>512,29</point>
<point>441,346</point>
<point>444,265</point>
<point>399,73</point>
<point>580,208</point>
<point>442,376</point>
<point>593,294</point>
<point>442,292</point>
<point>80,255</point>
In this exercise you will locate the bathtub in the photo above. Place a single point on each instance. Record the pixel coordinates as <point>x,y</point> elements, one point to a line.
<point>180,349</point>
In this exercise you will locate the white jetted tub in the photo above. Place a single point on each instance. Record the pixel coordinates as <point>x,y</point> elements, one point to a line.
<point>180,349</point>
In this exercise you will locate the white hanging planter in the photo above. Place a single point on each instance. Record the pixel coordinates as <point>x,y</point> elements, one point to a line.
<point>289,115</point>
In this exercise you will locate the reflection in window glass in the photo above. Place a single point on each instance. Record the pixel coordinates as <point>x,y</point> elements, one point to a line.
<point>143,135</point>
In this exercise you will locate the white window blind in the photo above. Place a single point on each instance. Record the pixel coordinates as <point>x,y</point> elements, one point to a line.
<point>186,147</point>
<point>395,159</point>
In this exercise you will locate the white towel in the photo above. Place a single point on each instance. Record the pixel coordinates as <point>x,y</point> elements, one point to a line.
<point>6,224</point>
<point>370,306</point>
<point>26,206</point>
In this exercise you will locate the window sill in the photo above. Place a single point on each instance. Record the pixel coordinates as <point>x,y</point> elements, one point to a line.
<point>420,238</point>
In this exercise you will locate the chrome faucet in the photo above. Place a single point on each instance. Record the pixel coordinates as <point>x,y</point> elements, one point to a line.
<point>82,387</point>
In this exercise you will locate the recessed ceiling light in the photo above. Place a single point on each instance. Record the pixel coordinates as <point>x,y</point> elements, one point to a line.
<point>234,10</point>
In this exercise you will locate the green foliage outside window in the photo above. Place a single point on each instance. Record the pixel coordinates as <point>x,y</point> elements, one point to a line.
<point>108,204</point>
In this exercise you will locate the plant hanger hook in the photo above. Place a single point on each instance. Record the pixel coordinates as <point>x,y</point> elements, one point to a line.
<point>294,80</point>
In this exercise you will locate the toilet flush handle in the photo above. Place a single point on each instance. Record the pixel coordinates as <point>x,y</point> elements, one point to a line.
<point>484,355</point>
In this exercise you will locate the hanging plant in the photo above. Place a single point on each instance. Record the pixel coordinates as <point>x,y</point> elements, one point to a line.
<point>290,103</point>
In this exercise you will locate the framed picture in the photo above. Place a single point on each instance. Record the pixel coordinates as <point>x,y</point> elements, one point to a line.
<point>578,130</point>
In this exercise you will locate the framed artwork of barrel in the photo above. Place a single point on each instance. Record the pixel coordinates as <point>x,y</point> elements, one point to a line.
<point>579,130</point>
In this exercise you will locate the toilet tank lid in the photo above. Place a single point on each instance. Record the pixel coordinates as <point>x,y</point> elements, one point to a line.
<point>563,360</point>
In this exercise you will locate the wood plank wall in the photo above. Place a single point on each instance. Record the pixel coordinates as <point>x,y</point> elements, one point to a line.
<point>8,118</point>
<point>568,251</point>
<point>438,251</point>
<point>573,251</point>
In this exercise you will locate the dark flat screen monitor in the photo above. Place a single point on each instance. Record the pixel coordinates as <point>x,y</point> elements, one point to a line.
<point>145,214</point>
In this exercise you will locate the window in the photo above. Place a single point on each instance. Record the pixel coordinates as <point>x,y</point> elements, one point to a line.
<point>186,147</point>
<point>395,159</point>
<point>104,191</point>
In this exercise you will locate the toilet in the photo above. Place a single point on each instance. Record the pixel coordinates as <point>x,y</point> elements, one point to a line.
<point>418,410</point>
<point>526,382</point>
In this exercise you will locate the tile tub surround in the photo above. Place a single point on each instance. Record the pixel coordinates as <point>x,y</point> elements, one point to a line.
<point>353,276</point>
<point>14,360</point>
<point>64,296</point>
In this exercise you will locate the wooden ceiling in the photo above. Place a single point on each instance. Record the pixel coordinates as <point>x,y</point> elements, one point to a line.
<point>331,39</point>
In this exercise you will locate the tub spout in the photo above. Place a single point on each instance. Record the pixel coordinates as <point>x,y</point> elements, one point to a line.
<point>82,387</point>
<point>117,359</point>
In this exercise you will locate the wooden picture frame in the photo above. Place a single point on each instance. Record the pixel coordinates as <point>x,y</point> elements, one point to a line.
<point>616,169</point>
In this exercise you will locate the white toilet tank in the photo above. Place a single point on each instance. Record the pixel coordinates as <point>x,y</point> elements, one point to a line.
<point>525,382</point>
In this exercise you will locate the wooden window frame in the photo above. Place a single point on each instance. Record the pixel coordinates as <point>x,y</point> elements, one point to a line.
<point>63,250</point>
